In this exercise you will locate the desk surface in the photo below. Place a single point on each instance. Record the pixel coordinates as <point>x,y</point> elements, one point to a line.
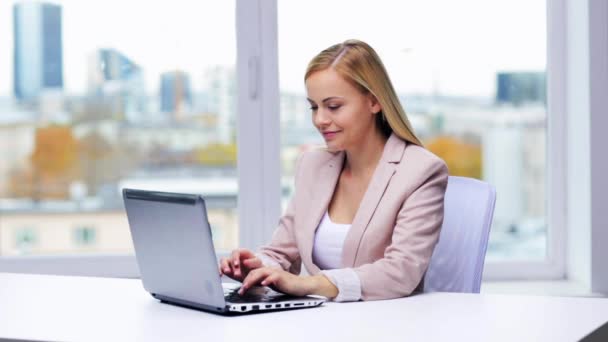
<point>42,307</point>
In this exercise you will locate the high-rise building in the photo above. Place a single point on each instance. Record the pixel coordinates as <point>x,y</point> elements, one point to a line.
<point>175,92</point>
<point>115,77</point>
<point>38,55</point>
<point>112,65</point>
<point>517,88</point>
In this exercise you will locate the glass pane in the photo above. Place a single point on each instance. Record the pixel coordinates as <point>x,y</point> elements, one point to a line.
<point>112,94</point>
<point>471,76</point>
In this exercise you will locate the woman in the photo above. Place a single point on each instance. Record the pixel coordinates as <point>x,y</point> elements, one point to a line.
<point>367,210</point>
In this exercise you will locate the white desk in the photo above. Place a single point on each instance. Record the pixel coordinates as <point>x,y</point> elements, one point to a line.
<point>42,307</point>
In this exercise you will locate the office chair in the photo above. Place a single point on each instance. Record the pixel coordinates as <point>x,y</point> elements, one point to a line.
<point>457,261</point>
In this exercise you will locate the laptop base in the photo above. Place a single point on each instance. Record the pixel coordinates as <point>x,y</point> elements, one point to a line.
<point>237,309</point>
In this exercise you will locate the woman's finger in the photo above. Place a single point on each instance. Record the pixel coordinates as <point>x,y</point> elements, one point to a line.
<point>229,269</point>
<point>245,253</point>
<point>272,279</point>
<point>221,266</point>
<point>224,267</point>
<point>254,277</point>
<point>252,263</point>
<point>250,279</point>
<point>235,260</point>
<point>235,257</point>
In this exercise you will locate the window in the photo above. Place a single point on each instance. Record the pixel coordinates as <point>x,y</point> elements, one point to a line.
<point>84,236</point>
<point>25,240</point>
<point>160,113</point>
<point>472,80</point>
<point>106,95</point>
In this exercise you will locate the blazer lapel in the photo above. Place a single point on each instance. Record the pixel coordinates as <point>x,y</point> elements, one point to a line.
<point>393,152</point>
<point>321,194</point>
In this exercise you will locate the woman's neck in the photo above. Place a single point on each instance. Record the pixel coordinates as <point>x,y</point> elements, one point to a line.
<point>362,160</point>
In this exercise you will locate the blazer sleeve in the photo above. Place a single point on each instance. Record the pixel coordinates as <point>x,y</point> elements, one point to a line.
<point>415,235</point>
<point>282,248</point>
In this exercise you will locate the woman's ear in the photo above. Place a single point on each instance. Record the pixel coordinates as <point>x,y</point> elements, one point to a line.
<point>375,106</point>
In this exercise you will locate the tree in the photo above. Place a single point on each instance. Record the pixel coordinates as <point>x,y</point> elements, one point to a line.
<point>463,159</point>
<point>103,161</point>
<point>216,155</point>
<point>53,162</point>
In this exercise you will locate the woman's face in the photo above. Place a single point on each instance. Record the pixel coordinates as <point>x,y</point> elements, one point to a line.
<point>342,114</point>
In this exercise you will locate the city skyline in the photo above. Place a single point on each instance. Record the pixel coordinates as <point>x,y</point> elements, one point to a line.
<point>417,61</point>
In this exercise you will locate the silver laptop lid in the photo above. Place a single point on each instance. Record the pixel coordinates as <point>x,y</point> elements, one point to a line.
<point>173,246</point>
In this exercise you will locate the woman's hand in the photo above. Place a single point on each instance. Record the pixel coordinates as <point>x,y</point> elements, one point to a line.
<point>239,264</point>
<point>289,283</point>
<point>278,279</point>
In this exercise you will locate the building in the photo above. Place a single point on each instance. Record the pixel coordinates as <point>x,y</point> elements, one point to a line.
<point>220,87</point>
<point>175,93</point>
<point>517,88</point>
<point>173,137</point>
<point>38,49</point>
<point>119,80</point>
<point>296,121</point>
<point>99,225</point>
<point>74,231</point>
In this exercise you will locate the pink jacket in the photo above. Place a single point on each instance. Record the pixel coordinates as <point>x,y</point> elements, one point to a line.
<point>394,231</point>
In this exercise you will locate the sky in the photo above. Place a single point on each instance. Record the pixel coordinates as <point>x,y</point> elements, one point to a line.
<point>452,47</point>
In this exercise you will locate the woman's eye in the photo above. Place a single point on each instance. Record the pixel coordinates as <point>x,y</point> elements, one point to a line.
<point>333,107</point>
<point>313,108</point>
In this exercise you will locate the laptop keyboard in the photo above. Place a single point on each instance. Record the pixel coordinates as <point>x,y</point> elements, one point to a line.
<point>254,294</point>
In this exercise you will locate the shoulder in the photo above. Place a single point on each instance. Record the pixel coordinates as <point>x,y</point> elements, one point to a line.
<point>419,165</point>
<point>315,157</point>
<point>422,157</point>
<point>314,162</point>
<point>410,157</point>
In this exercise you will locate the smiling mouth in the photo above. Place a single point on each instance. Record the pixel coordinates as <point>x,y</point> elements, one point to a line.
<point>330,134</point>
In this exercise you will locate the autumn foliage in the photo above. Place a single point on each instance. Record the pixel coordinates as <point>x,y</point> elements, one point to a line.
<point>52,166</point>
<point>55,151</point>
<point>463,158</point>
<point>216,155</point>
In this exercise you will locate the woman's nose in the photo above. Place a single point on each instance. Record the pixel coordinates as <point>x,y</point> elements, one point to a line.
<point>320,118</point>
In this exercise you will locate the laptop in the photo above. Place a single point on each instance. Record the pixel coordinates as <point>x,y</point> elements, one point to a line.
<point>177,261</point>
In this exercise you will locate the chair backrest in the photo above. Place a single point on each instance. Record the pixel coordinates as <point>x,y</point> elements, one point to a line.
<point>457,261</point>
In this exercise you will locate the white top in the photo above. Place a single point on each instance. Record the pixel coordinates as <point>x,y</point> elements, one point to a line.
<point>327,254</point>
<point>56,308</point>
<point>328,243</point>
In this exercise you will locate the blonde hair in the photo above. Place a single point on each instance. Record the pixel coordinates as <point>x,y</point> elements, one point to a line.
<point>359,64</point>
